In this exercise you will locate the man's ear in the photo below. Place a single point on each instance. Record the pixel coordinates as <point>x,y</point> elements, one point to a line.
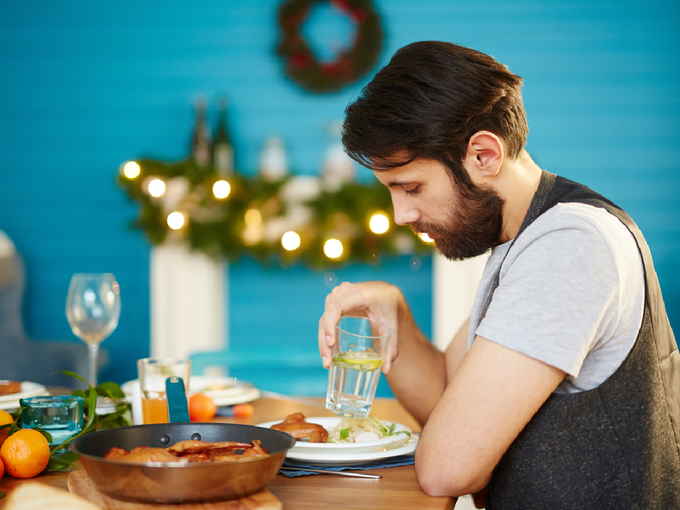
<point>484,155</point>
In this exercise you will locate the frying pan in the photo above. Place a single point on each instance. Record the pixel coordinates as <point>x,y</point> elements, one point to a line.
<point>156,482</point>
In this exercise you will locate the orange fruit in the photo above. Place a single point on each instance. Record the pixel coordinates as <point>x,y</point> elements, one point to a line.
<point>2,469</point>
<point>25,453</point>
<point>243,410</point>
<point>5,418</point>
<point>201,407</point>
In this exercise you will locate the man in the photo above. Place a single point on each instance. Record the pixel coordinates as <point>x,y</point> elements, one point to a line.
<point>563,388</point>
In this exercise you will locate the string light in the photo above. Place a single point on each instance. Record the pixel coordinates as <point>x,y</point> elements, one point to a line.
<point>156,188</point>
<point>290,240</point>
<point>333,248</point>
<point>252,235</point>
<point>131,169</point>
<point>253,217</point>
<point>221,189</point>
<point>379,223</point>
<point>267,213</point>
<point>175,220</point>
<point>425,237</point>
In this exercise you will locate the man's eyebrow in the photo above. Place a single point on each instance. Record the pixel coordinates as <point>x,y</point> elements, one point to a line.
<point>394,184</point>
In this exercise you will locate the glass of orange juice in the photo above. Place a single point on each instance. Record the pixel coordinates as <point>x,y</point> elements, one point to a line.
<point>152,375</point>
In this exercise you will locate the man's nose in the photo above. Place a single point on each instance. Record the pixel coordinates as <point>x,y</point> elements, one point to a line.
<point>404,215</point>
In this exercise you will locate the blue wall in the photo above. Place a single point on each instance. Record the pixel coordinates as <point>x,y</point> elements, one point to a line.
<point>87,85</point>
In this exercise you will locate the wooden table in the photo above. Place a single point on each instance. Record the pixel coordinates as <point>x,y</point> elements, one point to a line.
<point>397,489</point>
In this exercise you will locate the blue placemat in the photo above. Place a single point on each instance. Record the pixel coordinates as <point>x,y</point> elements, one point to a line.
<point>401,460</point>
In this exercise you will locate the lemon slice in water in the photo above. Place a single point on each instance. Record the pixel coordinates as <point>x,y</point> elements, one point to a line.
<point>363,361</point>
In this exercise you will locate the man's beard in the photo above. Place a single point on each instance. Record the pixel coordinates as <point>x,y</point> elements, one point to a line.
<point>472,225</point>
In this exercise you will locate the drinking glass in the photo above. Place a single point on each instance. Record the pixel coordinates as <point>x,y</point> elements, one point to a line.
<point>92,310</point>
<point>61,415</point>
<point>358,353</point>
<point>153,373</point>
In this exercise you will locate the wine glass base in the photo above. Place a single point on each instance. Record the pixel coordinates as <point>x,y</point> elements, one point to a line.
<point>105,405</point>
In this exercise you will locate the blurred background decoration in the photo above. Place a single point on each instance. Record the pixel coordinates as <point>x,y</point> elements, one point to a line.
<point>89,86</point>
<point>302,63</point>
<point>273,216</point>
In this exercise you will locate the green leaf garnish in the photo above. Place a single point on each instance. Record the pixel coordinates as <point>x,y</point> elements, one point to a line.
<point>47,435</point>
<point>63,459</point>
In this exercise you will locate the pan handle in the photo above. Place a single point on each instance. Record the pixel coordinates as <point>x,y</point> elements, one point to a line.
<point>178,411</point>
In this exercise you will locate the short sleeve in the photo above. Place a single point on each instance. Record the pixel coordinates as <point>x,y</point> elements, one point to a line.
<point>557,292</point>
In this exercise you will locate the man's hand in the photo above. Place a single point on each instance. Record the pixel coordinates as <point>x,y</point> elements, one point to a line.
<point>418,376</point>
<point>376,300</point>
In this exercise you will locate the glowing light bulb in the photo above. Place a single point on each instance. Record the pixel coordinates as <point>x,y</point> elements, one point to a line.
<point>425,237</point>
<point>131,169</point>
<point>175,220</point>
<point>332,248</point>
<point>290,240</point>
<point>379,223</point>
<point>156,188</point>
<point>253,217</point>
<point>252,235</point>
<point>221,189</point>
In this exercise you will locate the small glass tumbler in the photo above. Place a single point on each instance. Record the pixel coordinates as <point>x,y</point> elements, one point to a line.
<point>358,354</point>
<point>152,375</point>
<point>61,415</point>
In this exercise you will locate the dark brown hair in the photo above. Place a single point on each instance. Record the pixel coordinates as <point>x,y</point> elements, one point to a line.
<point>427,103</point>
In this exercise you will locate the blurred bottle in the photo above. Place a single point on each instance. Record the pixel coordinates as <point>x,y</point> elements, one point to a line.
<point>222,149</point>
<point>338,167</point>
<point>201,139</point>
<point>273,161</point>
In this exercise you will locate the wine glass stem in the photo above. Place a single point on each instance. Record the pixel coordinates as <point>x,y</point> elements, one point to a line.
<point>93,350</point>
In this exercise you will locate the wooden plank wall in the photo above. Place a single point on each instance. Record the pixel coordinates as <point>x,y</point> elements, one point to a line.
<point>87,85</point>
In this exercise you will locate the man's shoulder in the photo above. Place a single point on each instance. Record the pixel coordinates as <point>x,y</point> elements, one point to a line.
<point>568,219</point>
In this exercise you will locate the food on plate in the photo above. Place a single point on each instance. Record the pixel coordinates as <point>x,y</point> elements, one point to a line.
<point>190,451</point>
<point>25,453</point>
<point>201,407</point>
<point>216,386</point>
<point>296,426</point>
<point>9,387</point>
<point>357,430</point>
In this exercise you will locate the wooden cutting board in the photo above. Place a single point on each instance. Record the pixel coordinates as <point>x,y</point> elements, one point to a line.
<point>80,484</point>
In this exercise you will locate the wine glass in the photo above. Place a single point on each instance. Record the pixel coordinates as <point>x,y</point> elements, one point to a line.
<point>92,310</point>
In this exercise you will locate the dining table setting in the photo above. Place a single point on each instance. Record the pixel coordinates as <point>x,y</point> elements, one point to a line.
<point>173,439</point>
<point>396,488</point>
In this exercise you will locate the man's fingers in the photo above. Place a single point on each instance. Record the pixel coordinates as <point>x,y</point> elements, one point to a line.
<point>324,348</point>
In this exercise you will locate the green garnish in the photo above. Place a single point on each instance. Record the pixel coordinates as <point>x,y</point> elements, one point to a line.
<point>119,418</point>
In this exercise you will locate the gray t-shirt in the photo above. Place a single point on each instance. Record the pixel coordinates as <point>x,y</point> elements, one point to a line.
<point>570,294</point>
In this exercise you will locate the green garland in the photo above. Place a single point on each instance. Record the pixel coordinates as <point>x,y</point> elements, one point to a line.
<point>302,66</point>
<point>216,226</point>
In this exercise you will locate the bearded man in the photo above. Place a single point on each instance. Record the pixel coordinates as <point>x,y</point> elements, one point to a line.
<point>562,390</point>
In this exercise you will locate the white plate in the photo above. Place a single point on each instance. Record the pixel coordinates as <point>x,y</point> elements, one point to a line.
<point>396,449</point>
<point>302,447</point>
<point>28,389</point>
<point>225,391</point>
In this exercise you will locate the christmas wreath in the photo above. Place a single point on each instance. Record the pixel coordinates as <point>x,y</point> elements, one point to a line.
<point>302,66</point>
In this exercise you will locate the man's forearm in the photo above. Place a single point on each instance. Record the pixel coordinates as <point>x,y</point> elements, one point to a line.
<point>418,376</point>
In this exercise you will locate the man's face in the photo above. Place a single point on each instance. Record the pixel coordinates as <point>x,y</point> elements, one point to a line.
<point>462,223</point>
